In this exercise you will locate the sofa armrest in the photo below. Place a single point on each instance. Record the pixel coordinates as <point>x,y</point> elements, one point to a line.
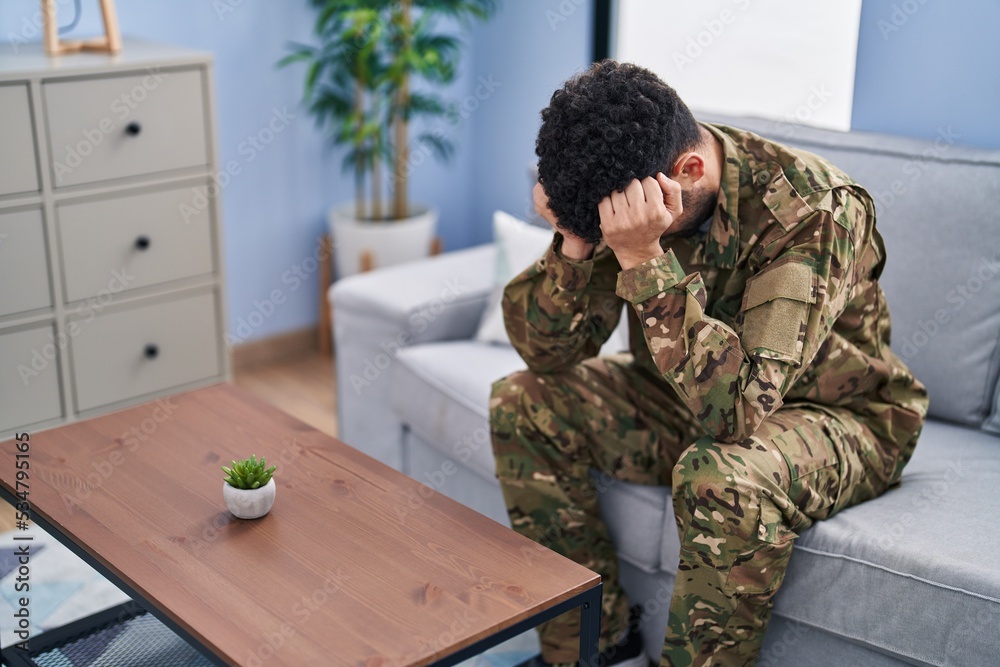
<point>440,298</point>
<point>376,314</point>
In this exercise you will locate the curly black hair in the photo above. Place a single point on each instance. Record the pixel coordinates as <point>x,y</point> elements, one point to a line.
<point>611,124</point>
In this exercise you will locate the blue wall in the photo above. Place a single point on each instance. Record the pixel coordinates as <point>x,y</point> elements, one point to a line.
<point>531,47</point>
<point>924,65</point>
<point>927,65</point>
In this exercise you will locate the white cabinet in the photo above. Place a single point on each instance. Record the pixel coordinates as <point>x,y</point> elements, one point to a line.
<point>111,289</point>
<point>18,166</point>
<point>143,239</point>
<point>145,349</point>
<point>29,377</point>
<point>24,264</point>
<point>117,126</point>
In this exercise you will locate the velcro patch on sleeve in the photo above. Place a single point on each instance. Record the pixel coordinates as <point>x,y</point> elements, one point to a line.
<point>791,280</point>
<point>776,309</point>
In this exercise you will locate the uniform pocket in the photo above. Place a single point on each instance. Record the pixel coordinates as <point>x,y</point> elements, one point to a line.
<point>760,566</point>
<point>775,311</point>
<point>864,467</point>
<point>813,464</point>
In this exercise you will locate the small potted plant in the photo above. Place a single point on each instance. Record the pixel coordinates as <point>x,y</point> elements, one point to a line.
<point>248,487</point>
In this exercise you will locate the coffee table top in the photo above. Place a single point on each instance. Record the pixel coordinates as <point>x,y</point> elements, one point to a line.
<point>356,564</point>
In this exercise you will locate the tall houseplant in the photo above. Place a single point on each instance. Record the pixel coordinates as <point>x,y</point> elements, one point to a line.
<point>360,88</point>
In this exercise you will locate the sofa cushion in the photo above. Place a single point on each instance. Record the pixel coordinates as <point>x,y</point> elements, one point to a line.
<point>636,516</point>
<point>518,245</point>
<point>923,559</point>
<point>943,292</point>
<point>441,391</point>
<point>937,204</point>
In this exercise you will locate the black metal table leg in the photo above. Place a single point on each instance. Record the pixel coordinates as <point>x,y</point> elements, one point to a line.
<point>589,603</point>
<point>590,627</point>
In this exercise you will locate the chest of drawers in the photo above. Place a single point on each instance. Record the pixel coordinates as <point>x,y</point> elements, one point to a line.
<point>111,288</point>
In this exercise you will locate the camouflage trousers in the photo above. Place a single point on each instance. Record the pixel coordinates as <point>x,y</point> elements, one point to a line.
<point>738,506</point>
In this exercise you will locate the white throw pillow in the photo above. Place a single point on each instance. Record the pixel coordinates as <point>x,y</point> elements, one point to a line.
<point>518,245</point>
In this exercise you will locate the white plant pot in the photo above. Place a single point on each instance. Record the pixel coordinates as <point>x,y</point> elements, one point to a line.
<point>390,242</point>
<point>249,503</point>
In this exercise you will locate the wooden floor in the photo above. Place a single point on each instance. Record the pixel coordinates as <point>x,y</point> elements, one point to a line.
<point>301,386</point>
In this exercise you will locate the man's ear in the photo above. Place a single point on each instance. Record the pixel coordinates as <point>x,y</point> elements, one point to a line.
<point>688,169</point>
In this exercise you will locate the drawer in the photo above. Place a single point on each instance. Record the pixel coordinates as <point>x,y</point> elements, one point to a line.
<point>130,353</point>
<point>121,243</point>
<point>117,126</point>
<point>18,165</point>
<point>24,266</point>
<point>29,377</point>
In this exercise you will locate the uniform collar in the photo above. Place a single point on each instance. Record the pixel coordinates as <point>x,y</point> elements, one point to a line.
<point>721,246</point>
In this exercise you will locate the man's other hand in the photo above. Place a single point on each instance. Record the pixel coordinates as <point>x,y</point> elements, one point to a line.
<point>632,221</point>
<point>573,247</point>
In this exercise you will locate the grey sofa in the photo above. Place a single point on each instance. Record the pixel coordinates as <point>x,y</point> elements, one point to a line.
<point>912,577</point>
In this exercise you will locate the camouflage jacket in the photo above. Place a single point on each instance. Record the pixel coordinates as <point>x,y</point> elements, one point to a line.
<point>778,302</point>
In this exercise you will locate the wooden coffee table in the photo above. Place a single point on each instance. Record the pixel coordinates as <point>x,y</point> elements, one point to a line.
<point>356,564</point>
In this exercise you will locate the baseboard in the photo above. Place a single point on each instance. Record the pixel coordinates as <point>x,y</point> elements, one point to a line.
<point>275,348</point>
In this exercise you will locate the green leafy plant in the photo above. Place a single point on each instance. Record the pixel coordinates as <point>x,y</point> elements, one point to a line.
<point>248,473</point>
<point>358,84</point>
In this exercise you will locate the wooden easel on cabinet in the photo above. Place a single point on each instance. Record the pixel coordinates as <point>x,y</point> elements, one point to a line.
<point>110,43</point>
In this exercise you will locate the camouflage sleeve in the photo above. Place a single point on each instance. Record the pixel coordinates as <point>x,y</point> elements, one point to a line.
<point>559,312</point>
<point>732,380</point>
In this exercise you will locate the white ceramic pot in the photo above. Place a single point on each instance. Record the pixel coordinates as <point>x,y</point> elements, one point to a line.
<point>249,503</point>
<point>389,241</point>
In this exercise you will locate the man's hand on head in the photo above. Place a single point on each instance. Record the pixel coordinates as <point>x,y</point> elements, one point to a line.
<point>573,247</point>
<point>632,221</point>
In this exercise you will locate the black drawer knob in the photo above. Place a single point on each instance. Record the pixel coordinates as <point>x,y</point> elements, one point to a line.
<point>151,351</point>
<point>133,129</point>
<point>142,242</point>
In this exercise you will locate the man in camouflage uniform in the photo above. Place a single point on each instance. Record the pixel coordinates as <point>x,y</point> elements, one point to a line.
<point>759,383</point>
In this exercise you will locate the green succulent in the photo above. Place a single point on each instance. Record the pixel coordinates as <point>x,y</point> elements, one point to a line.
<point>248,473</point>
